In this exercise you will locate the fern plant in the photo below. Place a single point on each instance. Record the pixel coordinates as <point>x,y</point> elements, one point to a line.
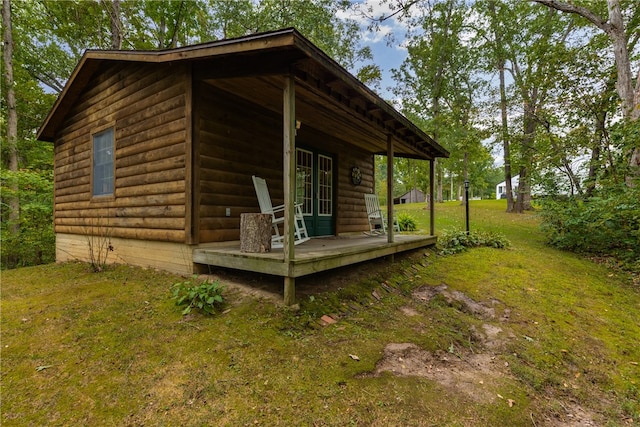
<point>406,222</point>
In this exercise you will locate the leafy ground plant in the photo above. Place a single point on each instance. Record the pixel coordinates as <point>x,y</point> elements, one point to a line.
<point>455,241</point>
<point>407,222</point>
<point>204,295</point>
<point>608,225</point>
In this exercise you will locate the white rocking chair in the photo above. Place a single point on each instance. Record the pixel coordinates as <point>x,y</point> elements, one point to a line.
<point>277,215</point>
<point>377,222</point>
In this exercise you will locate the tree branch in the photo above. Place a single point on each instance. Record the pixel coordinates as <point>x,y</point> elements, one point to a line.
<point>603,24</point>
<point>402,8</point>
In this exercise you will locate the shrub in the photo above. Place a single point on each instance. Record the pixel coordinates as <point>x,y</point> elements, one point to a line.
<point>34,243</point>
<point>205,296</point>
<point>99,242</point>
<point>406,222</point>
<point>455,241</point>
<point>608,225</point>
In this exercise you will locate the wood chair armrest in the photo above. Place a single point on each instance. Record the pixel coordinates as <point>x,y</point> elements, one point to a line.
<point>280,208</point>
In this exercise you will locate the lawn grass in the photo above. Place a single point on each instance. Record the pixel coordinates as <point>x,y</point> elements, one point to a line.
<point>111,348</point>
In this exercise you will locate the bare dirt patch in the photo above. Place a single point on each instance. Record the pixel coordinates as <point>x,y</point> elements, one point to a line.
<point>471,374</point>
<point>571,415</point>
<point>409,311</point>
<point>476,375</point>
<point>483,310</point>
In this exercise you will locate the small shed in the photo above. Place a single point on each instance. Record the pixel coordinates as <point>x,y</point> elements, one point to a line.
<point>155,150</point>
<point>415,195</point>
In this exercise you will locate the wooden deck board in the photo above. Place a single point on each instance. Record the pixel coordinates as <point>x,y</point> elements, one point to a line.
<point>315,255</point>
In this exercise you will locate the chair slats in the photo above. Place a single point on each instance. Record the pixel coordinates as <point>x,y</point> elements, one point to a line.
<point>277,215</point>
<point>377,222</point>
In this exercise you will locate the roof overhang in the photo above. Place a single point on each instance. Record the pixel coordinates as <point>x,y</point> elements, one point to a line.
<point>288,52</point>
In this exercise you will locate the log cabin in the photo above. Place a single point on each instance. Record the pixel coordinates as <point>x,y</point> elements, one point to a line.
<point>155,151</point>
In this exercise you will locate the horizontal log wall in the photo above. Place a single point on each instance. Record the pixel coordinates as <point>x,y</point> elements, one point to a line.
<point>237,139</point>
<point>146,104</point>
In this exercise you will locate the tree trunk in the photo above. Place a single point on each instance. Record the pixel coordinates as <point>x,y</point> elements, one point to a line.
<point>503,108</point>
<point>440,178</point>
<point>624,85</point>
<point>506,145</point>
<point>436,111</point>
<point>523,202</point>
<point>12,118</point>
<point>594,162</point>
<point>618,37</point>
<point>113,9</point>
<point>634,160</point>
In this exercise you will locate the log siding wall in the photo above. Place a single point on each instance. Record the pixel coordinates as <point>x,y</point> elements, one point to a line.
<point>149,107</point>
<point>237,139</point>
<point>146,105</point>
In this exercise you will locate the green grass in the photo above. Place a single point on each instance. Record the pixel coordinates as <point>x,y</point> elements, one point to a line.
<point>111,348</point>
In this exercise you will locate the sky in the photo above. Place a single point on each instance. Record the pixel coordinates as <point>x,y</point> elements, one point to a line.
<point>385,41</point>
<point>387,45</point>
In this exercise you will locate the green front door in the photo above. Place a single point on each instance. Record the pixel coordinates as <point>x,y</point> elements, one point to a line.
<point>315,191</point>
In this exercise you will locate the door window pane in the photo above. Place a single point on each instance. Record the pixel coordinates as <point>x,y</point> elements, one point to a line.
<point>325,185</point>
<point>304,180</point>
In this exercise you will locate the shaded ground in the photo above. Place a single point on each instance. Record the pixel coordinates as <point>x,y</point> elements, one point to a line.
<point>396,347</point>
<point>271,287</point>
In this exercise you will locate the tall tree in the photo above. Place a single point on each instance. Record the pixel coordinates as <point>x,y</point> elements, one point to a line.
<point>12,116</point>
<point>113,10</point>
<point>615,28</point>
<point>534,59</point>
<point>499,56</point>
<point>524,45</point>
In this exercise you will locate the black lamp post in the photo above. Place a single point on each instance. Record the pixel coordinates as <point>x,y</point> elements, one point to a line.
<point>466,201</point>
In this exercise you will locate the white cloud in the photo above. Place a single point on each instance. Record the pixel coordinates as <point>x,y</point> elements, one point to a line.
<point>376,35</point>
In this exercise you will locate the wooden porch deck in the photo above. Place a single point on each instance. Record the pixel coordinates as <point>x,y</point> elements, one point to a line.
<point>313,256</point>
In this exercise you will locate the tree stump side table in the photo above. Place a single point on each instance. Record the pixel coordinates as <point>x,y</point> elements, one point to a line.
<point>255,232</point>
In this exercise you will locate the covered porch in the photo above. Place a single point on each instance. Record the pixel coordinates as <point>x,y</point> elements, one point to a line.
<point>291,101</point>
<point>314,256</point>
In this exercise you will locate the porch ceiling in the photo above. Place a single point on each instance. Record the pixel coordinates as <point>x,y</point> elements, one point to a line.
<point>313,111</point>
<point>325,103</point>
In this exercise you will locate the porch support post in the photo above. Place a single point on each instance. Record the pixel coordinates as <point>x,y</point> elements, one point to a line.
<point>288,173</point>
<point>390,188</point>
<point>432,210</point>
